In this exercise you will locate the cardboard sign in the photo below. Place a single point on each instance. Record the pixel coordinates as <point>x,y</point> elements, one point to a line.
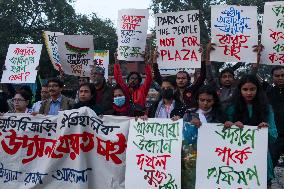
<point>21,63</point>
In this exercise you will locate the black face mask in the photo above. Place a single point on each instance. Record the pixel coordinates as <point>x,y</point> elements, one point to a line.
<point>167,93</point>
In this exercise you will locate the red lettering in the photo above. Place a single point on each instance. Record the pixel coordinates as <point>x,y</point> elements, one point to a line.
<point>167,42</point>
<point>189,41</point>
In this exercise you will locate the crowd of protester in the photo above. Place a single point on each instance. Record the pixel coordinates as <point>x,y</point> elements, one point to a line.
<point>226,99</point>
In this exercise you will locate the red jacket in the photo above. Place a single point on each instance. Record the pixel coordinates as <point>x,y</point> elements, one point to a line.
<point>139,95</point>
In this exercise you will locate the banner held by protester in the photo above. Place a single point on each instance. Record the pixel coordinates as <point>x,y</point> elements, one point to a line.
<point>51,44</point>
<point>76,54</point>
<point>273,34</point>
<point>178,39</point>
<point>154,153</point>
<point>234,31</point>
<point>101,58</point>
<point>238,157</point>
<point>75,149</point>
<point>132,33</point>
<point>21,63</point>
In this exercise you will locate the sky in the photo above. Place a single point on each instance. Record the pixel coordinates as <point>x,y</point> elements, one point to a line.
<point>109,8</point>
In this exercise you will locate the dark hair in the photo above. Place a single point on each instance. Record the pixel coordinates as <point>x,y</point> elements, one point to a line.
<point>44,85</point>
<point>171,80</point>
<point>4,104</point>
<point>227,70</point>
<point>276,68</point>
<point>259,103</point>
<point>26,95</point>
<point>117,87</point>
<point>134,73</point>
<point>56,80</point>
<point>186,73</point>
<point>92,88</point>
<point>217,112</point>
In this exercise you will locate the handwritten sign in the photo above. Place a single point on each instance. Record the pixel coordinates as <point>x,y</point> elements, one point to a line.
<point>178,40</point>
<point>273,34</point>
<point>76,54</point>
<point>132,32</point>
<point>50,39</point>
<point>231,158</point>
<point>21,63</point>
<point>234,31</point>
<point>101,58</point>
<point>154,158</point>
<point>75,149</point>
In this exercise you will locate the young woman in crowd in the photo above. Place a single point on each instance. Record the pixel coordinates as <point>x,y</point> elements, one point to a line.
<point>207,108</point>
<point>87,97</point>
<point>168,106</point>
<point>251,107</point>
<point>22,101</point>
<point>121,104</point>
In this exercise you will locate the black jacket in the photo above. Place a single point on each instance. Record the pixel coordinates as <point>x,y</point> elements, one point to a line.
<point>178,110</point>
<point>276,99</point>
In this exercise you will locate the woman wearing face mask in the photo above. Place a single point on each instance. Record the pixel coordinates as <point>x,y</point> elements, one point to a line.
<point>168,106</point>
<point>121,103</point>
<point>87,97</point>
<point>207,108</point>
<point>251,108</point>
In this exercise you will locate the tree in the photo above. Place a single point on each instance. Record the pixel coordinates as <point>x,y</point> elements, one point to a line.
<point>22,21</point>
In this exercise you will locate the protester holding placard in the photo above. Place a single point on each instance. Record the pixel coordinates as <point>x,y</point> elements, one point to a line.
<point>137,90</point>
<point>207,108</point>
<point>251,108</point>
<point>169,105</point>
<point>57,101</point>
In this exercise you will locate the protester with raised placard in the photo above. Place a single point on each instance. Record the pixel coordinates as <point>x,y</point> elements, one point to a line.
<point>251,107</point>
<point>57,101</point>
<point>138,91</point>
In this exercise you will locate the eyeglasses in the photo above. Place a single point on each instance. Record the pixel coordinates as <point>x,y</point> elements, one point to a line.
<point>18,100</point>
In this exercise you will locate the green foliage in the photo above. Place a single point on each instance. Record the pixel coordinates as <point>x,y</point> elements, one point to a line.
<point>22,21</point>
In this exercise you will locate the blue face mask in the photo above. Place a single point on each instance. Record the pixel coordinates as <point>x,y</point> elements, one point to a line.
<point>119,101</point>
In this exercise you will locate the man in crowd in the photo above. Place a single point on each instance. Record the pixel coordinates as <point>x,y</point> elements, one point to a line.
<point>103,91</point>
<point>57,101</point>
<point>44,96</point>
<point>275,94</point>
<point>224,84</point>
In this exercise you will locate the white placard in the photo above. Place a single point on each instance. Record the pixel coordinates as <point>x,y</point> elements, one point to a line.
<point>101,59</point>
<point>76,54</point>
<point>21,63</point>
<point>272,37</point>
<point>132,28</point>
<point>75,149</point>
<point>178,40</point>
<point>154,160</point>
<point>231,158</point>
<point>234,31</point>
<point>50,39</point>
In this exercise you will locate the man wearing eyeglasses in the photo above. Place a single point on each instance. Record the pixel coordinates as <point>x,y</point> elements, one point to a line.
<point>57,101</point>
